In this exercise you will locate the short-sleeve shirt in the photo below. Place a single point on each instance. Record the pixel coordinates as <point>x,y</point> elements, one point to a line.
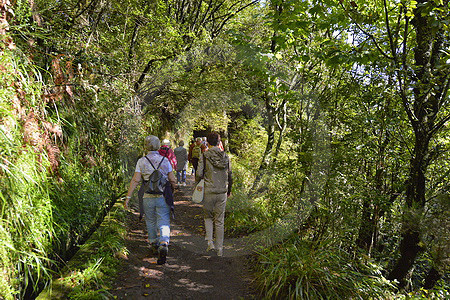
<point>145,168</point>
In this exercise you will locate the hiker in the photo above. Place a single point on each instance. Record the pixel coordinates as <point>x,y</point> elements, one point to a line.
<point>205,142</point>
<point>182,160</point>
<point>191,146</point>
<point>197,150</point>
<point>166,151</point>
<point>154,206</point>
<point>214,167</point>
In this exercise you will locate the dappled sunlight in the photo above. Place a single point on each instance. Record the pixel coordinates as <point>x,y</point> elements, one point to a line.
<point>334,116</point>
<point>151,273</point>
<point>192,286</point>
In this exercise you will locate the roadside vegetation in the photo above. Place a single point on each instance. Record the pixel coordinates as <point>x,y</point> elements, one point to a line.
<point>335,113</point>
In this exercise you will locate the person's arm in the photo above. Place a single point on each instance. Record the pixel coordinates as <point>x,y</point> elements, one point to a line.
<point>200,169</point>
<point>190,153</point>
<point>133,184</point>
<point>173,181</point>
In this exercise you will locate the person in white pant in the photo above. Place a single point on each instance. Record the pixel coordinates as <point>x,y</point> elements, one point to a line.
<point>214,167</point>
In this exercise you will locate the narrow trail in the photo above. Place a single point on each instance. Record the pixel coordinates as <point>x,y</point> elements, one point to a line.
<point>190,271</point>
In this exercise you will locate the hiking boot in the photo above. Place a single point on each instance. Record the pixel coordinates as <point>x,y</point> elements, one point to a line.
<point>220,252</point>
<point>162,254</point>
<point>154,248</point>
<point>210,246</point>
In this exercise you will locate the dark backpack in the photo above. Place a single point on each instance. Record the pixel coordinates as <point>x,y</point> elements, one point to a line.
<point>157,181</point>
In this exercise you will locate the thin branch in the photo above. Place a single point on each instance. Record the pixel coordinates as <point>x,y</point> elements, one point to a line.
<point>197,13</point>
<point>439,125</point>
<point>204,17</point>
<point>371,36</point>
<point>217,31</point>
<point>84,10</point>
<point>388,28</point>
<point>147,69</point>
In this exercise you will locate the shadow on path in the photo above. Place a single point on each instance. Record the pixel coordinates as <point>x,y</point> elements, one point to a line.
<point>190,271</point>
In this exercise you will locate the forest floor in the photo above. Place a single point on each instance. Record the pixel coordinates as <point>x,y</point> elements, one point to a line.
<point>190,271</point>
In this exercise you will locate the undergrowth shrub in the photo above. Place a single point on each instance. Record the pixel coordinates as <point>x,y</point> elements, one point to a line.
<point>92,278</point>
<point>55,185</point>
<point>26,226</point>
<point>245,215</point>
<point>76,201</point>
<point>300,269</point>
<point>88,275</point>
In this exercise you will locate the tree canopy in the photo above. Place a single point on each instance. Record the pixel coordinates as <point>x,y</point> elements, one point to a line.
<point>335,113</point>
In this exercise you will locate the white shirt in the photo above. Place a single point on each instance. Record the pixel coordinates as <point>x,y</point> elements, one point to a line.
<point>145,168</point>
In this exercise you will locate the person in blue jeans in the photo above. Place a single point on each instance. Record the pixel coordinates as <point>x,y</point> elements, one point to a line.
<point>156,210</point>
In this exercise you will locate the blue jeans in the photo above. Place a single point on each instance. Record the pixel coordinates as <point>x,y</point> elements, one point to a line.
<point>157,217</point>
<point>181,176</point>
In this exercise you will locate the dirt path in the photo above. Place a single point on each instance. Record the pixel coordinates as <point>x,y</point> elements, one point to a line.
<point>190,271</point>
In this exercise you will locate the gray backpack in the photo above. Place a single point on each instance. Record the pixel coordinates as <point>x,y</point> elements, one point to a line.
<point>157,181</point>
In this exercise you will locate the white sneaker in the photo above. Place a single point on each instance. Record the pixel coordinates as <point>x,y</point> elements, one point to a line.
<point>184,183</point>
<point>210,246</point>
<point>220,252</point>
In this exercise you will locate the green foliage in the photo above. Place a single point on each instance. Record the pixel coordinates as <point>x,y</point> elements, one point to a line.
<point>89,274</point>
<point>62,159</point>
<point>247,140</point>
<point>94,267</point>
<point>245,216</point>
<point>26,223</point>
<point>76,212</point>
<point>300,269</point>
<point>321,73</point>
<point>435,294</point>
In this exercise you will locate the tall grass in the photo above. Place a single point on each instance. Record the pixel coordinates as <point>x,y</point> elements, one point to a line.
<point>47,214</point>
<point>26,226</point>
<point>88,275</point>
<point>305,270</point>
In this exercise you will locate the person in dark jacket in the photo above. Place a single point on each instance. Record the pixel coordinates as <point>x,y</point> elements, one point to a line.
<point>182,161</point>
<point>215,168</point>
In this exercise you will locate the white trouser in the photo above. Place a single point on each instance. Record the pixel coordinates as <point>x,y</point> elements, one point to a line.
<point>214,213</point>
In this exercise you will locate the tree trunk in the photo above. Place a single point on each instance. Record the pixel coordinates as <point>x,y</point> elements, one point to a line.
<point>367,235</point>
<point>270,110</point>
<point>281,128</point>
<point>415,203</point>
<point>133,40</point>
<point>265,162</point>
<point>428,88</point>
<point>366,228</point>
